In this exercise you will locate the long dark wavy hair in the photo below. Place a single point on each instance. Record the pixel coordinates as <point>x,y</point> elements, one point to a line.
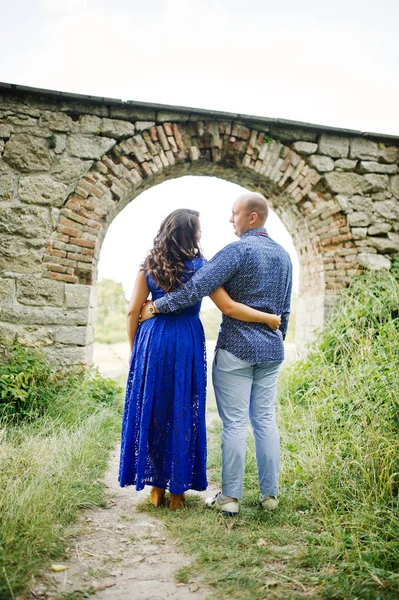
<point>175,243</point>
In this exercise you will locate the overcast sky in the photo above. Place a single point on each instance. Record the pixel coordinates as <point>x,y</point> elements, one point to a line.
<point>332,63</point>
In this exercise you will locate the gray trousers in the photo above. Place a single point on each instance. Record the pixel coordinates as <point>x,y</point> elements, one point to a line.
<point>243,390</point>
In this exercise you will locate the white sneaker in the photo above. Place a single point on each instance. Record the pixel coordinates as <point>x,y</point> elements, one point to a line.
<point>268,502</point>
<point>228,507</point>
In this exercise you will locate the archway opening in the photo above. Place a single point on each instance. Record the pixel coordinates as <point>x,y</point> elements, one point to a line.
<point>131,234</point>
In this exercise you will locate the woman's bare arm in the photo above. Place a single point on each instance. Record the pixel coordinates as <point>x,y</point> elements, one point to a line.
<point>139,296</point>
<point>242,312</point>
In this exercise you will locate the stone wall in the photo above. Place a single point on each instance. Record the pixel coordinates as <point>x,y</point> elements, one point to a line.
<point>69,165</point>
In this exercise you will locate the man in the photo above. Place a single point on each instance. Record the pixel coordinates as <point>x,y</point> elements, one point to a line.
<point>255,271</point>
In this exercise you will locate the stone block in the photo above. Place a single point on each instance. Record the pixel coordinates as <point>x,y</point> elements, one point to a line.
<point>359,219</point>
<point>363,149</point>
<point>64,355</point>
<point>334,145</point>
<point>387,208</point>
<point>322,164</point>
<point>375,167</point>
<point>388,154</point>
<point>379,228</point>
<point>93,296</point>
<point>19,256</point>
<point>68,169</point>
<point>22,120</point>
<point>56,121</point>
<point>374,262</point>
<point>343,201</point>
<point>375,183</point>
<point>143,125</point>
<point>34,335</point>
<point>28,221</point>
<point>28,153</point>
<point>359,233</point>
<point>40,292</point>
<point>89,124</point>
<point>6,130</point>
<point>344,183</point>
<point>345,164</point>
<point>117,129</point>
<point>60,143</point>
<point>7,291</point>
<point>82,146</point>
<point>42,189</point>
<point>8,333</point>
<point>78,336</point>
<point>361,203</point>
<point>77,295</point>
<point>43,315</point>
<point>7,185</point>
<point>395,186</point>
<point>386,245</point>
<point>304,147</point>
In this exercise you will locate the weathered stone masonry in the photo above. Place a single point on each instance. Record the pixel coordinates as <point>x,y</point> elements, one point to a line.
<point>69,164</point>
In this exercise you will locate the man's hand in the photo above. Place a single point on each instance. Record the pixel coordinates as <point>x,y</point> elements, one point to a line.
<point>275,321</point>
<point>145,313</point>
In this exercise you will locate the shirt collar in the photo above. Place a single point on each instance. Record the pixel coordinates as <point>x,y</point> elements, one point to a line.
<point>255,231</point>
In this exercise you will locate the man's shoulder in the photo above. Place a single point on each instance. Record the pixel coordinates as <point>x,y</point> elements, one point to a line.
<point>270,246</point>
<point>279,248</point>
<point>231,250</point>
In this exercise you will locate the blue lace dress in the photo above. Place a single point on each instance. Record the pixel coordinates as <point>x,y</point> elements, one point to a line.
<point>163,427</point>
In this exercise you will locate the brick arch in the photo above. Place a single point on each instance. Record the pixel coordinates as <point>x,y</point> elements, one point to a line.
<point>70,163</point>
<point>228,150</point>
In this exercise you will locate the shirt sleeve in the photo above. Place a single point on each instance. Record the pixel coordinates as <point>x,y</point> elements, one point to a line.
<point>206,280</point>
<point>286,310</point>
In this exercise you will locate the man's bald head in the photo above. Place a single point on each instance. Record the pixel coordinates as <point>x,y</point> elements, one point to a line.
<point>253,202</point>
<point>249,212</point>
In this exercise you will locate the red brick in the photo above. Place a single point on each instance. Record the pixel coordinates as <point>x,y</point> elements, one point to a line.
<point>64,277</point>
<point>61,237</point>
<point>69,231</point>
<point>177,136</point>
<point>88,251</point>
<point>80,257</point>
<point>83,243</point>
<point>162,138</point>
<point>53,252</point>
<point>154,134</point>
<point>168,129</point>
<point>56,268</point>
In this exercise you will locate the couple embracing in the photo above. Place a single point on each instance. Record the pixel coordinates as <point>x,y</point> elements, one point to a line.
<point>163,429</point>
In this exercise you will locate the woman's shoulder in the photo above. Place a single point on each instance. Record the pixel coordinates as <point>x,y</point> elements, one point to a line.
<point>197,262</point>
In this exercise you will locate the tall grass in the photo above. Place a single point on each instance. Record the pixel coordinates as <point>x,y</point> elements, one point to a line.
<point>49,465</point>
<point>341,420</point>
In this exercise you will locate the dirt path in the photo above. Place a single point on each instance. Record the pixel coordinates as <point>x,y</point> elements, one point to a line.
<point>120,554</point>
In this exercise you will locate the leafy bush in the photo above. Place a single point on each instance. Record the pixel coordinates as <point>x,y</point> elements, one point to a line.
<point>27,385</point>
<point>49,465</point>
<point>31,388</point>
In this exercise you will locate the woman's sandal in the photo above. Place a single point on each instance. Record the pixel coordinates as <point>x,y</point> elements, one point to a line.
<point>156,496</point>
<point>176,501</point>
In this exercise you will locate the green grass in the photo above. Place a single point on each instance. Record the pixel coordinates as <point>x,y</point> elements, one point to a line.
<point>49,469</point>
<point>336,532</point>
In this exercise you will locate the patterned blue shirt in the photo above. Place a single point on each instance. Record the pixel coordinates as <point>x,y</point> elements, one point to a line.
<point>256,271</point>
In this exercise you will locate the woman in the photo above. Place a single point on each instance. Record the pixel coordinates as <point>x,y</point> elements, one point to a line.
<point>163,429</point>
